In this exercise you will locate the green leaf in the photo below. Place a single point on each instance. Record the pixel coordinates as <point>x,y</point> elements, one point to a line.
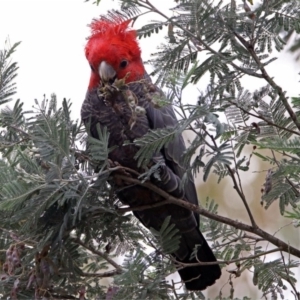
<point>8,73</point>
<point>167,237</point>
<point>152,142</point>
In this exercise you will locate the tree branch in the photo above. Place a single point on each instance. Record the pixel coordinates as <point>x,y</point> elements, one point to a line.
<point>235,185</point>
<point>266,76</point>
<point>182,203</point>
<point>264,119</point>
<point>242,196</point>
<point>297,294</point>
<point>226,262</point>
<point>195,40</point>
<point>103,255</point>
<point>102,275</point>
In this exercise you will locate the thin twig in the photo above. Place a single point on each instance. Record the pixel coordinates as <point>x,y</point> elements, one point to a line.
<point>237,187</point>
<point>195,38</point>
<point>242,196</point>
<point>103,255</point>
<point>101,275</point>
<point>245,236</point>
<point>264,119</point>
<point>286,178</point>
<point>226,262</point>
<point>174,290</point>
<point>297,294</point>
<point>266,76</point>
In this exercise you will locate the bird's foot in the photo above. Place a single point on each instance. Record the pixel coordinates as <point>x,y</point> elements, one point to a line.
<point>120,169</point>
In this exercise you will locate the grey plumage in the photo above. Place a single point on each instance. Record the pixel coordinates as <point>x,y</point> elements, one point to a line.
<point>126,123</point>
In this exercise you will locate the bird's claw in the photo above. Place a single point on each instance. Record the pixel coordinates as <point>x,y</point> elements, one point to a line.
<point>121,170</point>
<point>112,164</point>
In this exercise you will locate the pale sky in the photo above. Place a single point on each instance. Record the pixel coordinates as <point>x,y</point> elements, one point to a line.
<point>53,35</point>
<point>51,55</point>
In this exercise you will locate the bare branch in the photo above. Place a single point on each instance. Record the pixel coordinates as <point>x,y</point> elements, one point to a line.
<point>297,294</point>
<point>226,262</point>
<point>102,275</point>
<point>103,255</point>
<point>182,203</point>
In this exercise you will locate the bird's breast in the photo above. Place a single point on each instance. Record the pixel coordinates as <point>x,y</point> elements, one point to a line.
<point>124,116</point>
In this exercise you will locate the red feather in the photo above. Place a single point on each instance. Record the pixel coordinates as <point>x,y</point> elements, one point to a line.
<point>113,41</point>
<point>104,26</point>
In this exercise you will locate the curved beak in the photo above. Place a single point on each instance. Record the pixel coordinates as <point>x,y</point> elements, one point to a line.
<point>106,72</point>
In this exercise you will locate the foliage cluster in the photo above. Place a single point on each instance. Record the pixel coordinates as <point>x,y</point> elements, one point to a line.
<point>61,223</point>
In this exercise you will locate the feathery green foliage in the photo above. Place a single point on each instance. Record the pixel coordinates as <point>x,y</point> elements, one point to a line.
<point>8,72</point>
<point>167,237</point>
<point>62,224</point>
<point>153,142</point>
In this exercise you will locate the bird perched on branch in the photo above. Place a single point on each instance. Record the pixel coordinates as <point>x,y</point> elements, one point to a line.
<point>122,97</point>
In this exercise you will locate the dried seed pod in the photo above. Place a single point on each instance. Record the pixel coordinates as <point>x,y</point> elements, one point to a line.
<point>16,257</point>
<point>82,292</point>
<point>31,280</point>
<point>5,267</point>
<point>268,182</point>
<point>9,252</point>
<point>3,277</point>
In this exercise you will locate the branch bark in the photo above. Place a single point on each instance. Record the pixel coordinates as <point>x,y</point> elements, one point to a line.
<point>172,200</point>
<point>118,270</point>
<point>102,275</point>
<point>227,262</point>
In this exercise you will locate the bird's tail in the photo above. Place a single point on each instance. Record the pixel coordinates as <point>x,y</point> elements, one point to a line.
<point>200,277</point>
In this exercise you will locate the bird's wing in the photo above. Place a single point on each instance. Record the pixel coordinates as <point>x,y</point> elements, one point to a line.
<point>164,117</point>
<point>94,110</point>
<point>161,117</point>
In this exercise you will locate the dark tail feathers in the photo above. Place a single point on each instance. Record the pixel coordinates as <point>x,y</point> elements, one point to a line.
<point>200,277</point>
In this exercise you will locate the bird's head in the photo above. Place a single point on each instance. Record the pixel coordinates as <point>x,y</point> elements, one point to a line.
<point>113,52</point>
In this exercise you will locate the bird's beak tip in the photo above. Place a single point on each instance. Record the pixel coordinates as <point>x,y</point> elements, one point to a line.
<point>106,72</point>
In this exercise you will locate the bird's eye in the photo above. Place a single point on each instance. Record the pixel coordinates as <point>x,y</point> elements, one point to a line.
<point>123,64</point>
<point>92,68</point>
